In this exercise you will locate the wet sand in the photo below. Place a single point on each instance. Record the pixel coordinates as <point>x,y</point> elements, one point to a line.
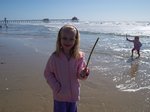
<point>22,85</point>
<point>24,89</point>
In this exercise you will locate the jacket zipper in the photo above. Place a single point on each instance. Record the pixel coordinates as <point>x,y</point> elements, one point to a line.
<point>70,79</point>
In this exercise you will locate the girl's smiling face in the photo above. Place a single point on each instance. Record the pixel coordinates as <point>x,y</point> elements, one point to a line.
<point>68,39</point>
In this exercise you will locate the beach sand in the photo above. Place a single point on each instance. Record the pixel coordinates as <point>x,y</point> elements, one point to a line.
<point>22,84</point>
<point>24,89</point>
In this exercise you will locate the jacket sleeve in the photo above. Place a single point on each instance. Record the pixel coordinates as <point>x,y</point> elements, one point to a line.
<point>81,66</point>
<point>130,40</point>
<point>49,75</point>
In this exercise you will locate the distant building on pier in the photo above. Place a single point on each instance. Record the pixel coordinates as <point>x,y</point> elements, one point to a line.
<point>75,19</point>
<point>46,20</point>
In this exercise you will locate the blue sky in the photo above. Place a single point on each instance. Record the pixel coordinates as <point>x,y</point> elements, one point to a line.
<point>118,10</point>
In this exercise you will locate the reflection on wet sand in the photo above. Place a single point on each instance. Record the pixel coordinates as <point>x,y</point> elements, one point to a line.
<point>134,68</point>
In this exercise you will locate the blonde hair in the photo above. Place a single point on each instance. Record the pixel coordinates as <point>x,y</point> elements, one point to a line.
<point>74,52</point>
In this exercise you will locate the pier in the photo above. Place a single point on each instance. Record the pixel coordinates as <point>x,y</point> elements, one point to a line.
<point>20,21</point>
<point>5,22</point>
<point>46,20</point>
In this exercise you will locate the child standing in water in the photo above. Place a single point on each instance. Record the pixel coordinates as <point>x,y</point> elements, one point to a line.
<point>64,69</point>
<point>137,45</point>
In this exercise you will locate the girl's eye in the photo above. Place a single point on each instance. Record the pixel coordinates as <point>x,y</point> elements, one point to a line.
<point>68,39</point>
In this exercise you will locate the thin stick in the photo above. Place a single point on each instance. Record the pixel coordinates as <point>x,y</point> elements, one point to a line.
<point>126,36</point>
<point>91,52</point>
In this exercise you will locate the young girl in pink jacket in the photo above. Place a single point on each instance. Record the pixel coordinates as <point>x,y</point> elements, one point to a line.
<point>64,69</point>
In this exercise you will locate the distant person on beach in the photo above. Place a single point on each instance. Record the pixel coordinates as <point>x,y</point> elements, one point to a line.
<point>64,69</point>
<point>137,45</point>
<point>5,21</point>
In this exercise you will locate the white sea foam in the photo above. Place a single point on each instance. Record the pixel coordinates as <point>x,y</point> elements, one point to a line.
<point>107,27</point>
<point>125,88</point>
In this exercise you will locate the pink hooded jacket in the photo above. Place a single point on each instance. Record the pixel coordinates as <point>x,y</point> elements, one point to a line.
<point>63,76</point>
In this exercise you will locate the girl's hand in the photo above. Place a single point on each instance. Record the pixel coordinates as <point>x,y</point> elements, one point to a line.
<point>85,73</point>
<point>127,38</point>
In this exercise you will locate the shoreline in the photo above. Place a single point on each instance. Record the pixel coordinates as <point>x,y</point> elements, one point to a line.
<point>24,89</point>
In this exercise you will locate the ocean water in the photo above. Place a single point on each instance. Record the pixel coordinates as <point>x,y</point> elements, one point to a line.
<point>111,57</point>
